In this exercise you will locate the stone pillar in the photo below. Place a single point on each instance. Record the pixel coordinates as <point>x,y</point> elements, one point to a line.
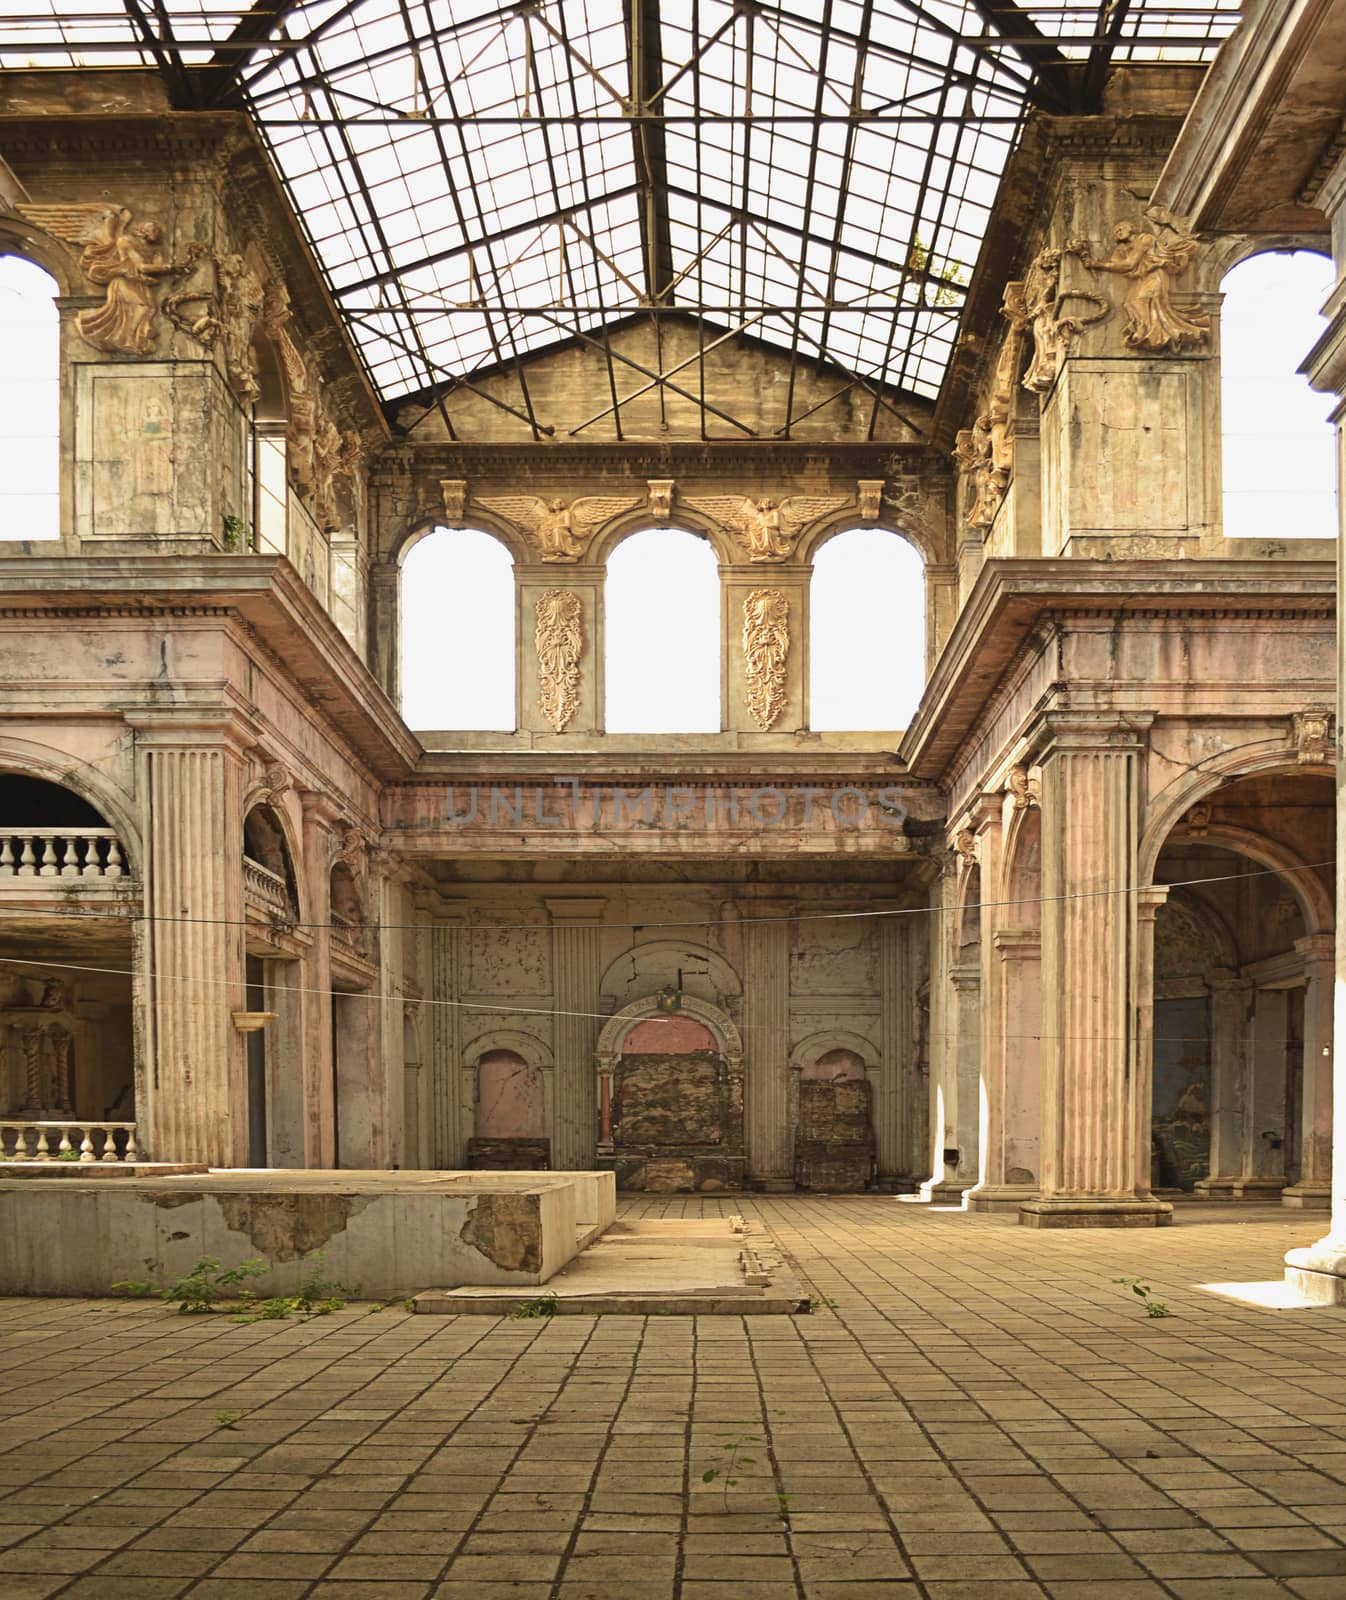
<point>766,1048</point>
<point>1230,1036</point>
<point>943,1036</point>
<point>1148,901</point>
<point>1313,1189</point>
<point>941,607</point>
<point>1262,1175</point>
<point>450,1096</point>
<point>737,587</point>
<point>1011,1146</point>
<point>384,631</point>
<point>576,974</point>
<point>1095,1166</point>
<point>315,1066</point>
<point>900,1116</point>
<point>194,1105</point>
<point>535,695</point>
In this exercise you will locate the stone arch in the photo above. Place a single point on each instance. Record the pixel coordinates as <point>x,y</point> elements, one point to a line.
<point>620,528</point>
<point>843,521</point>
<point>528,1045</point>
<point>832,1115</point>
<point>1315,900</point>
<point>665,957</point>
<point>26,758</point>
<point>615,1029</point>
<point>268,840</point>
<point>1223,254</point>
<point>30,243</point>
<point>1199,783</point>
<point>1021,869</point>
<point>422,526</point>
<point>828,1039</point>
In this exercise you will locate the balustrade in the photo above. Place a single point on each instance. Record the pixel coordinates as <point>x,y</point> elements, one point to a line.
<point>67,1141</point>
<point>354,935</point>
<point>60,853</point>
<point>265,888</point>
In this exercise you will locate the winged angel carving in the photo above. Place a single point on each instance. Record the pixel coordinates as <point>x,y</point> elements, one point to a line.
<point>768,529</point>
<point>1149,256</point>
<point>557,531</point>
<point>125,258</point>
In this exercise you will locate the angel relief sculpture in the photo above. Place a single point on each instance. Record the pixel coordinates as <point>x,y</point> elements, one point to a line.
<point>1043,299</point>
<point>126,259</point>
<point>767,529</point>
<point>558,531</point>
<point>1149,261</point>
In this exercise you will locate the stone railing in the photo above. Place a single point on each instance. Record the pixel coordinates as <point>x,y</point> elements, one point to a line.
<point>60,853</point>
<point>266,889</point>
<point>67,1141</point>
<point>354,936</point>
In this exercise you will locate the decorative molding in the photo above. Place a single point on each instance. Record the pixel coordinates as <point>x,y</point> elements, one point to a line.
<point>1313,733</point>
<point>1022,788</point>
<point>661,498</point>
<point>558,530</point>
<point>766,650</point>
<point>560,645</point>
<point>871,498</point>
<point>767,529</point>
<point>1039,299</point>
<point>453,493</point>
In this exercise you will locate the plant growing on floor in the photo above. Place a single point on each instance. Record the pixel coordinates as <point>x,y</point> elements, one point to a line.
<point>1153,1308</point>
<point>228,1419</point>
<point>316,1296</point>
<point>732,1445</point>
<point>543,1306</point>
<point>201,1289</point>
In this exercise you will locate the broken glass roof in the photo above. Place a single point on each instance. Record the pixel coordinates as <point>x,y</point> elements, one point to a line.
<point>481,181</point>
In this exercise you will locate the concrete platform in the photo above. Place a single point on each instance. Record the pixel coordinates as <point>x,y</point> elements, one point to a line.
<point>652,1267</point>
<point>98,1169</point>
<point>385,1234</point>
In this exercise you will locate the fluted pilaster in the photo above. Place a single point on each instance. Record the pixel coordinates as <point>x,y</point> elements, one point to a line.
<point>576,974</point>
<point>449,1130</point>
<point>766,1047</point>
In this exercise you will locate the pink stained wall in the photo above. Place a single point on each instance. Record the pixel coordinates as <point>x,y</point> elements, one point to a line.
<point>669,1036</point>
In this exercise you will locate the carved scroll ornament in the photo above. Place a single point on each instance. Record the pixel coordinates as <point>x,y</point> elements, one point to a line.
<point>1313,735</point>
<point>766,650</point>
<point>125,259</point>
<point>1149,255</point>
<point>558,531</point>
<point>767,529</point>
<point>560,645</point>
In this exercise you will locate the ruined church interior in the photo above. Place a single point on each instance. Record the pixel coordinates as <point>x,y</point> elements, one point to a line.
<point>668,660</point>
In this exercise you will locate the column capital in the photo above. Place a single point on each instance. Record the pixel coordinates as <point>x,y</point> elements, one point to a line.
<point>190,728</point>
<point>1220,980</point>
<point>965,979</point>
<point>566,910</point>
<point>1149,899</point>
<point>319,806</point>
<point>1065,731</point>
<point>1315,947</point>
<point>1014,944</point>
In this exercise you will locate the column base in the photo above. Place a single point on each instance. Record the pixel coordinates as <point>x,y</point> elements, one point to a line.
<point>1000,1196</point>
<point>1240,1188</point>
<point>947,1192</point>
<point>1308,1197</point>
<point>1317,1272</point>
<point>1101,1213</point>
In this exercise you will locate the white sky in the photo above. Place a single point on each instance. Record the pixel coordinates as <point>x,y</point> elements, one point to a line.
<point>29,402</point>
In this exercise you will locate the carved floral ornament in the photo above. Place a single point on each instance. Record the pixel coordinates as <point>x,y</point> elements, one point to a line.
<point>766,651</point>
<point>1314,735</point>
<point>560,646</point>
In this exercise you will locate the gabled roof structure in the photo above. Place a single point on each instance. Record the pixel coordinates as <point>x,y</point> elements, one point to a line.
<point>480,181</point>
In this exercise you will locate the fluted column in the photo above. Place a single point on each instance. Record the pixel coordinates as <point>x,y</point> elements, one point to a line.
<point>1313,1188</point>
<point>1095,1164</point>
<point>943,1036</point>
<point>194,1105</point>
<point>1148,900</point>
<point>576,974</point>
<point>766,1048</point>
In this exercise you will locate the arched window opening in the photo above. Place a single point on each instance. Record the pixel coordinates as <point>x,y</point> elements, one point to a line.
<point>47,831</point>
<point>662,623</point>
<point>1278,447</point>
<point>866,632</point>
<point>30,414</point>
<point>268,872</point>
<point>458,632</point>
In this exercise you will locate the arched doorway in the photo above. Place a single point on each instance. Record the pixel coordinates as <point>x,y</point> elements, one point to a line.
<point>1243,993</point>
<point>509,1124</point>
<point>671,1098</point>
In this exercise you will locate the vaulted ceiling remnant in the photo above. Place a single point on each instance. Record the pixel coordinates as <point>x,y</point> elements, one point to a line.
<point>482,181</point>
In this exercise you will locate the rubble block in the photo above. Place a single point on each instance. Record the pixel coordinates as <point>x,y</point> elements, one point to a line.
<point>385,1234</point>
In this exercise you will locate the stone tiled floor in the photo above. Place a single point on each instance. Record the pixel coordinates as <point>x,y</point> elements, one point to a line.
<point>982,1413</point>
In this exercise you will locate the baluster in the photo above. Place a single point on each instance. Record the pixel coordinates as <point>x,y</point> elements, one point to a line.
<point>5,1131</point>
<point>130,1142</point>
<point>114,860</point>
<point>86,1146</point>
<point>27,860</point>
<point>6,857</point>
<point>70,865</point>
<point>109,1145</point>
<point>65,1148</point>
<point>45,1149</point>
<point>93,867</point>
<point>48,867</point>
